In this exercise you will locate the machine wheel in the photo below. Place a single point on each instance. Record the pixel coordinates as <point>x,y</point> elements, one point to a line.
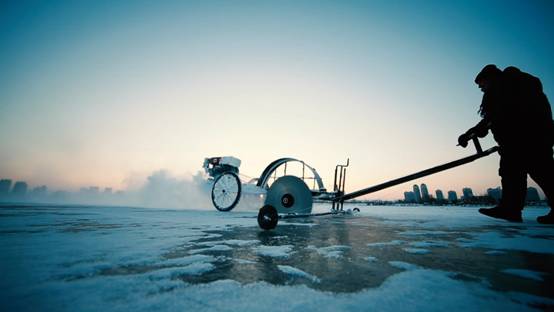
<point>226,191</point>
<point>268,217</point>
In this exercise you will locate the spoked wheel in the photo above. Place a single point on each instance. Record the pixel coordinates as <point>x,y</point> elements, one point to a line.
<point>226,191</point>
<point>268,217</point>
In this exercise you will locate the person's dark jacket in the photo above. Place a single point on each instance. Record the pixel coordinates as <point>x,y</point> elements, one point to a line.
<point>517,111</point>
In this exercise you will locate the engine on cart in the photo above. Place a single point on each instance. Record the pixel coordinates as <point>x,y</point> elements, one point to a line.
<point>216,166</point>
<point>226,189</point>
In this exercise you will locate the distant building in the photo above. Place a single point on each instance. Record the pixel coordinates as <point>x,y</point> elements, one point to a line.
<point>91,190</point>
<point>409,197</point>
<point>19,189</point>
<point>417,194</point>
<point>39,190</point>
<point>452,196</point>
<point>424,193</point>
<point>5,185</point>
<point>532,195</point>
<point>468,193</point>
<point>440,195</point>
<point>495,193</point>
<point>108,190</point>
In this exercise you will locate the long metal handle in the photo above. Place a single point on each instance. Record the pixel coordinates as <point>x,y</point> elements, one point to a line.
<point>417,175</point>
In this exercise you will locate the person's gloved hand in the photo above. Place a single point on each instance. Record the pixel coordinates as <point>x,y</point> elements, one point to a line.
<point>463,139</point>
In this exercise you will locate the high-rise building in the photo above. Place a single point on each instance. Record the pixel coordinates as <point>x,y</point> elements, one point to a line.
<point>532,195</point>
<point>452,196</point>
<point>495,193</point>
<point>440,195</point>
<point>39,191</point>
<point>424,193</point>
<point>409,197</point>
<point>5,185</point>
<point>417,194</point>
<point>468,193</point>
<point>19,189</point>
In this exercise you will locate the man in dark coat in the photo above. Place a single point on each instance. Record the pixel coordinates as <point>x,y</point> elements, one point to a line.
<point>516,110</point>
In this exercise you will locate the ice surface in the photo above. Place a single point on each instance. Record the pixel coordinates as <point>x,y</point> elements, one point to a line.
<point>371,258</point>
<point>241,242</point>
<point>510,242</point>
<point>538,276</point>
<point>495,252</point>
<point>427,244</point>
<point>120,259</point>
<point>283,251</point>
<point>287,269</point>
<point>418,251</point>
<point>231,242</point>
<point>213,248</point>
<point>244,261</point>
<point>187,260</point>
<point>335,251</point>
<point>389,243</point>
<point>173,272</point>
<point>423,233</point>
<point>403,265</point>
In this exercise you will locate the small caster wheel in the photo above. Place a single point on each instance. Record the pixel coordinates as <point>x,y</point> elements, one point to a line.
<point>268,217</point>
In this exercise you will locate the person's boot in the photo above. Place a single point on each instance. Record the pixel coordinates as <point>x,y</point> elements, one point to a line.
<point>500,212</point>
<point>548,219</point>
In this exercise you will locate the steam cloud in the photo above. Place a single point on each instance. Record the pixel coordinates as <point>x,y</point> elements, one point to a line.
<point>160,190</point>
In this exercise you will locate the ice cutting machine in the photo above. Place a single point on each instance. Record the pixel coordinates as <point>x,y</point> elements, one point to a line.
<point>272,211</point>
<point>289,194</point>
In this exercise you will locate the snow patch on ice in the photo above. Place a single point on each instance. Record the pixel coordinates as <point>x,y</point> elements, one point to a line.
<point>298,273</point>
<point>213,248</point>
<point>495,252</point>
<point>417,251</point>
<point>403,265</point>
<point>283,251</point>
<point>187,260</point>
<point>423,232</point>
<point>173,272</point>
<point>427,244</point>
<point>244,261</point>
<point>241,242</point>
<point>232,242</point>
<point>335,251</point>
<point>412,290</point>
<point>534,275</point>
<point>515,242</point>
<point>381,244</point>
<point>298,224</point>
<point>371,258</point>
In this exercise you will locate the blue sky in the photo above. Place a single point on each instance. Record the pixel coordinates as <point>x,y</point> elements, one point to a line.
<point>95,92</point>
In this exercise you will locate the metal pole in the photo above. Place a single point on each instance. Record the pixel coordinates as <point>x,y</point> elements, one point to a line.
<point>417,175</point>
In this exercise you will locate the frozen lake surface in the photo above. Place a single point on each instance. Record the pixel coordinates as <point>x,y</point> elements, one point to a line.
<point>386,258</point>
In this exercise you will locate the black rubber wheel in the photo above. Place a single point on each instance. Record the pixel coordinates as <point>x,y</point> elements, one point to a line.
<point>268,217</point>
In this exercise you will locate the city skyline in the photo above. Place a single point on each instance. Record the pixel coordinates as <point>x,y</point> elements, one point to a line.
<point>467,192</point>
